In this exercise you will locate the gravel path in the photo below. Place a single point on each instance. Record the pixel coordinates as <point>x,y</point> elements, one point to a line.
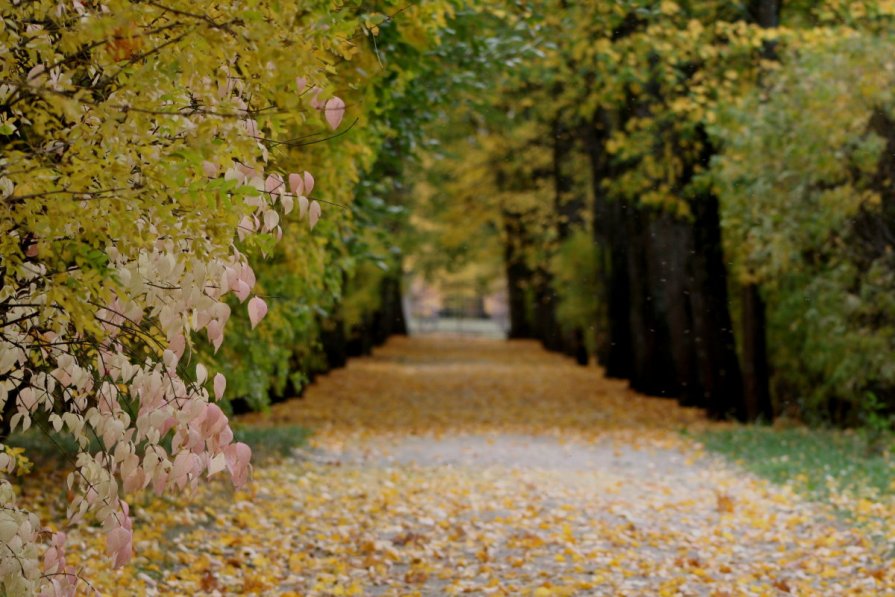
<point>454,466</point>
<point>606,518</point>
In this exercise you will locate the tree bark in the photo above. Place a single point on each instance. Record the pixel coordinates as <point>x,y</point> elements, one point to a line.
<point>756,385</point>
<point>388,320</point>
<point>717,365</point>
<point>546,326</point>
<point>765,13</point>
<point>615,351</point>
<point>518,276</point>
<point>569,211</point>
<point>654,370</point>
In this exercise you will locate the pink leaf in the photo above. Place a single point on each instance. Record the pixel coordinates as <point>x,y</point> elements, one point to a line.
<point>159,481</point>
<point>302,206</point>
<point>247,171</point>
<point>221,312</point>
<point>210,169</point>
<point>238,457</point>
<point>220,384</point>
<point>183,463</point>
<point>313,213</point>
<point>134,481</point>
<point>118,545</point>
<point>274,184</point>
<point>301,83</point>
<point>214,329</point>
<point>296,184</point>
<point>309,183</point>
<point>242,290</point>
<point>229,279</point>
<point>335,111</point>
<point>178,345</point>
<point>246,227</point>
<point>257,310</point>
<point>246,273</point>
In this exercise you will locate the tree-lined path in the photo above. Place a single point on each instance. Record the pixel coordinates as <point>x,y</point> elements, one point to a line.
<point>445,465</point>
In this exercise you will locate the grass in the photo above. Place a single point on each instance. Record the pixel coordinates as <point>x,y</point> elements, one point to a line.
<point>818,463</point>
<point>272,442</point>
<point>266,442</point>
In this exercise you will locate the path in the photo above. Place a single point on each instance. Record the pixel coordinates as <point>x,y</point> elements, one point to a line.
<point>444,466</point>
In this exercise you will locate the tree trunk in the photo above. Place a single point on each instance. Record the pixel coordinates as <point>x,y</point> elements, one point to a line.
<point>717,367</point>
<point>765,13</point>
<point>756,391</point>
<point>389,319</point>
<point>569,208</point>
<point>546,327</point>
<point>673,246</point>
<point>615,351</point>
<point>654,370</point>
<point>518,276</point>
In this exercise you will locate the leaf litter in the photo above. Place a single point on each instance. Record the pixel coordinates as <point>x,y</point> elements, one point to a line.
<point>445,466</point>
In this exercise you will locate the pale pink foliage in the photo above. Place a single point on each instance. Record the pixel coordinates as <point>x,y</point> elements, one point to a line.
<point>257,310</point>
<point>313,213</point>
<point>335,111</point>
<point>220,385</point>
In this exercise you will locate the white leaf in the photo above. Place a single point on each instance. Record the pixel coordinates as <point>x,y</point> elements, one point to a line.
<point>217,464</point>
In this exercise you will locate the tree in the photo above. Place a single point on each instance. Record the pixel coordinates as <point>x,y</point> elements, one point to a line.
<point>135,142</point>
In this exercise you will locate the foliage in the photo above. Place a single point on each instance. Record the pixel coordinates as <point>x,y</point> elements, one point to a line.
<point>577,285</point>
<point>804,212</point>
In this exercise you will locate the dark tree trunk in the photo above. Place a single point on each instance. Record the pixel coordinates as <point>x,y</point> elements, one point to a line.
<point>360,338</point>
<point>756,391</point>
<point>334,342</point>
<point>765,13</point>
<point>546,326</point>
<point>654,369</point>
<point>718,371</point>
<point>518,276</point>
<point>672,246</point>
<point>614,351</point>
<point>620,358</point>
<point>569,208</point>
<point>389,320</point>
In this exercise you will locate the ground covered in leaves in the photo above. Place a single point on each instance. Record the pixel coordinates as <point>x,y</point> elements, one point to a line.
<point>445,466</point>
